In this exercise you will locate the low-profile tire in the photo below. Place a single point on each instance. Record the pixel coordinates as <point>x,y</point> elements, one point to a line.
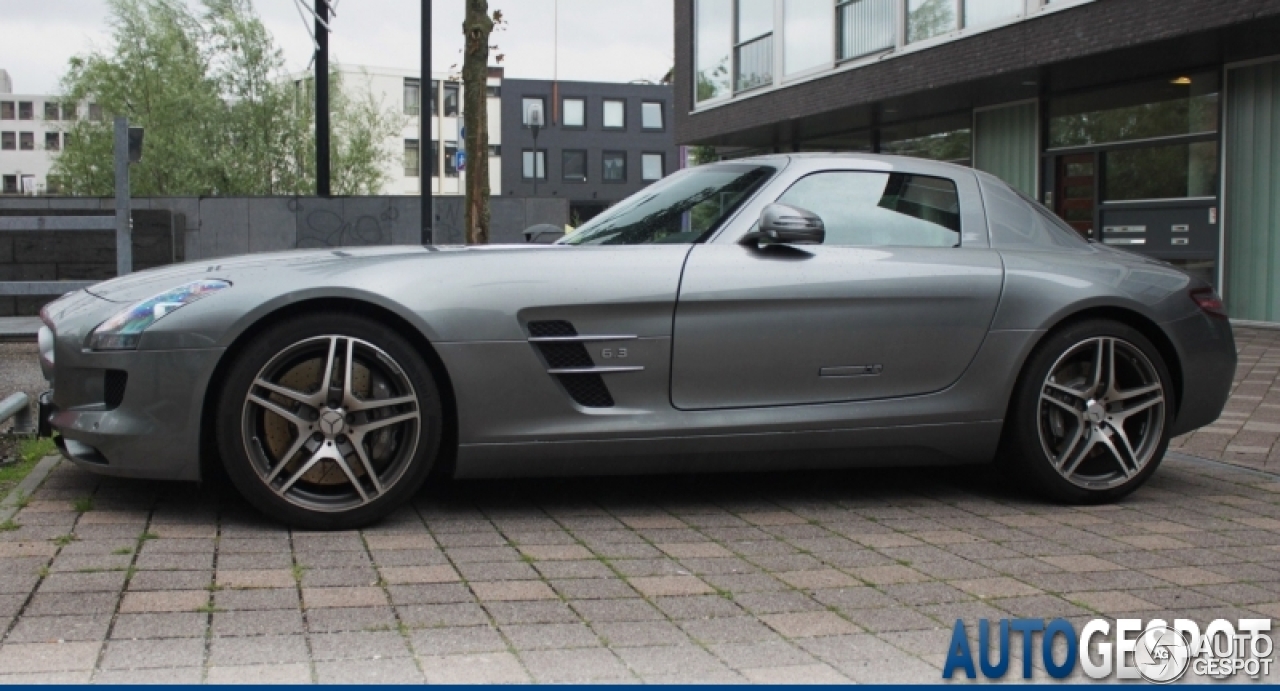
<point>1090,416</point>
<point>328,421</point>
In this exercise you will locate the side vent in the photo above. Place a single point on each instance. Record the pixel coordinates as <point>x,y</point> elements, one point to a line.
<point>113,385</point>
<point>565,353</point>
<point>551,329</point>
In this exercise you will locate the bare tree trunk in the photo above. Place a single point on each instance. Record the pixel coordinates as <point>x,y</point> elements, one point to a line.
<point>475,117</point>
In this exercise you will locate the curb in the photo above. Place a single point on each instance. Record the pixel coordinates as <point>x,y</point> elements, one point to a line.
<point>10,504</point>
<point>1179,456</point>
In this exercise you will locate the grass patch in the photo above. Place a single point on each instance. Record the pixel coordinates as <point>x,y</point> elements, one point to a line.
<point>209,608</point>
<point>83,504</point>
<point>9,526</point>
<point>122,551</point>
<point>64,540</point>
<point>29,451</point>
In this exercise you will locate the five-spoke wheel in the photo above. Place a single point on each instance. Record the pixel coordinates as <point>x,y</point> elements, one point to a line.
<point>326,426</point>
<point>1091,415</point>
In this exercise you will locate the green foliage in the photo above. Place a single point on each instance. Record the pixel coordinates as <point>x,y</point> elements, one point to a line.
<point>83,504</point>
<point>221,116</point>
<point>35,448</point>
<point>8,526</point>
<point>64,540</point>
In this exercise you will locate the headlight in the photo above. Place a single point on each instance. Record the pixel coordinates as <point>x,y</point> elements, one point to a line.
<point>124,329</point>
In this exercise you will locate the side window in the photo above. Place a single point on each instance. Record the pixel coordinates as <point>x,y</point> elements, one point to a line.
<point>881,209</point>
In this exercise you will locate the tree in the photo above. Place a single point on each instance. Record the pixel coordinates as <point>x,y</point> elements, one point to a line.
<point>477,27</point>
<point>222,117</point>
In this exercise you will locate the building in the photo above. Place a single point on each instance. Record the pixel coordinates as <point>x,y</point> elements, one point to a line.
<point>597,142</point>
<point>1152,125</point>
<point>31,135</point>
<point>400,90</point>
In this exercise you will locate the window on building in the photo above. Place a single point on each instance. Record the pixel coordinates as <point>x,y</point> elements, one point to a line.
<point>533,164</point>
<point>533,111</point>
<point>652,167</point>
<point>573,164</point>
<point>982,12</point>
<point>1160,108</point>
<point>51,141</point>
<point>1173,171</point>
<point>615,166</point>
<point>753,47</point>
<point>615,114</point>
<point>945,139</point>
<point>863,209</point>
<point>412,158</point>
<point>495,150</point>
<point>434,108</point>
<point>95,112</point>
<point>450,159</point>
<point>26,110</point>
<point>451,106</point>
<point>50,110</point>
<point>574,112</point>
<point>864,27</point>
<point>66,139</point>
<point>651,115</point>
<point>11,184</point>
<point>412,96</point>
<point>929,18</point>
<point>8,141</point>
<point>493,91</point>
<point>70,111</point>
<point>7,111</point>
<point>807,32</point>
<point>27,141</point>
<point>433,159</point>
<point>713,43</point>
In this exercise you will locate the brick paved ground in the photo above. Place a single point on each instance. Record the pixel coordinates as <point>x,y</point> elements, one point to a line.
<point>1249,428</point>
<point>782,578</point>
<point>803,577</point>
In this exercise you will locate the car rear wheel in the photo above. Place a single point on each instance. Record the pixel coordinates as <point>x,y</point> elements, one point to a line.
<point>1091,413</point>
<point>328,421</point>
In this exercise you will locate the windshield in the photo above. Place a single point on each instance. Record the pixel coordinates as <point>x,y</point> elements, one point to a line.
<point>679,210</point>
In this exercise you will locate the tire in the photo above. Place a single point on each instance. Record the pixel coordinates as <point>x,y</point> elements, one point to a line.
<point>328,457</point>
<point>1080,434</point>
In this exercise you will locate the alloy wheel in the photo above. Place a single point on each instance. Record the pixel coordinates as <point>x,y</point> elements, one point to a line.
<point>331,423</point>
<point>1101,413</point>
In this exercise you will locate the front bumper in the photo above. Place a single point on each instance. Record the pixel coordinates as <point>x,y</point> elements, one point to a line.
<point>132,413</point>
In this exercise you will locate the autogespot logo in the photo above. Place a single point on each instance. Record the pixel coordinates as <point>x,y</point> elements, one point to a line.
<point>1155,651</point>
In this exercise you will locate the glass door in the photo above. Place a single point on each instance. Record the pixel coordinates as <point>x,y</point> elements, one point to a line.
<point>1076,193</point>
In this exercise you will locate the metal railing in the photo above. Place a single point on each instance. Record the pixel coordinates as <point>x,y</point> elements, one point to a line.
<point>128,148</point>
<point>18,407</point>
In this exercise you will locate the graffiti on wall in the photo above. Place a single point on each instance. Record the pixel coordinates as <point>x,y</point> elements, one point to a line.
<point>321,228</point>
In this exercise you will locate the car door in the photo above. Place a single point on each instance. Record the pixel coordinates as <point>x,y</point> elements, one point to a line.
<point>889,305</point>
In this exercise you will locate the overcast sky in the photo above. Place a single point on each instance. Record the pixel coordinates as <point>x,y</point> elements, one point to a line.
<point>600,40</point>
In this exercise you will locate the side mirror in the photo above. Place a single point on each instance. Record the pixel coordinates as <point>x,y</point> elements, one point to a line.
<point>787,225</point>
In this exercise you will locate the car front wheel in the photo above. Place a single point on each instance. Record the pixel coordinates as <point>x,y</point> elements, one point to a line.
<point>1091,414</point>
<point>328,421</point>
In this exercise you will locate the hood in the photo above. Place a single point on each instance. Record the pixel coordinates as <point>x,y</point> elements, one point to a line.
<point>144,284</point>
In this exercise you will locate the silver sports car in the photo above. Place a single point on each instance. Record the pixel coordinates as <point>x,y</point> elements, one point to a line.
<point>787,311</point>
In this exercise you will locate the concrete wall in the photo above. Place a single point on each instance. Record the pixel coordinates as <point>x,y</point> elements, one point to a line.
<point>175,229</point>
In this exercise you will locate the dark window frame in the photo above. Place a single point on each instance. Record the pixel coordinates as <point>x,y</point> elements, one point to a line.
<point>585,117</point>
<point>415,146</point>
<point>26,110</point>
<point>8,141</point>
<point>524,119</point>
<point>564,170</point>
<point>450,159</point>
<point>57,141</point>
<point>454,89</point>
<point>604,174</point>
<point>662,115</point>
<point>535,153</point>
<point>26,141</point>
<point>605,125</point>
<point>413,109</point>
<point>662,157</point>
<point>8,110</point>
<point>9,184</point>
